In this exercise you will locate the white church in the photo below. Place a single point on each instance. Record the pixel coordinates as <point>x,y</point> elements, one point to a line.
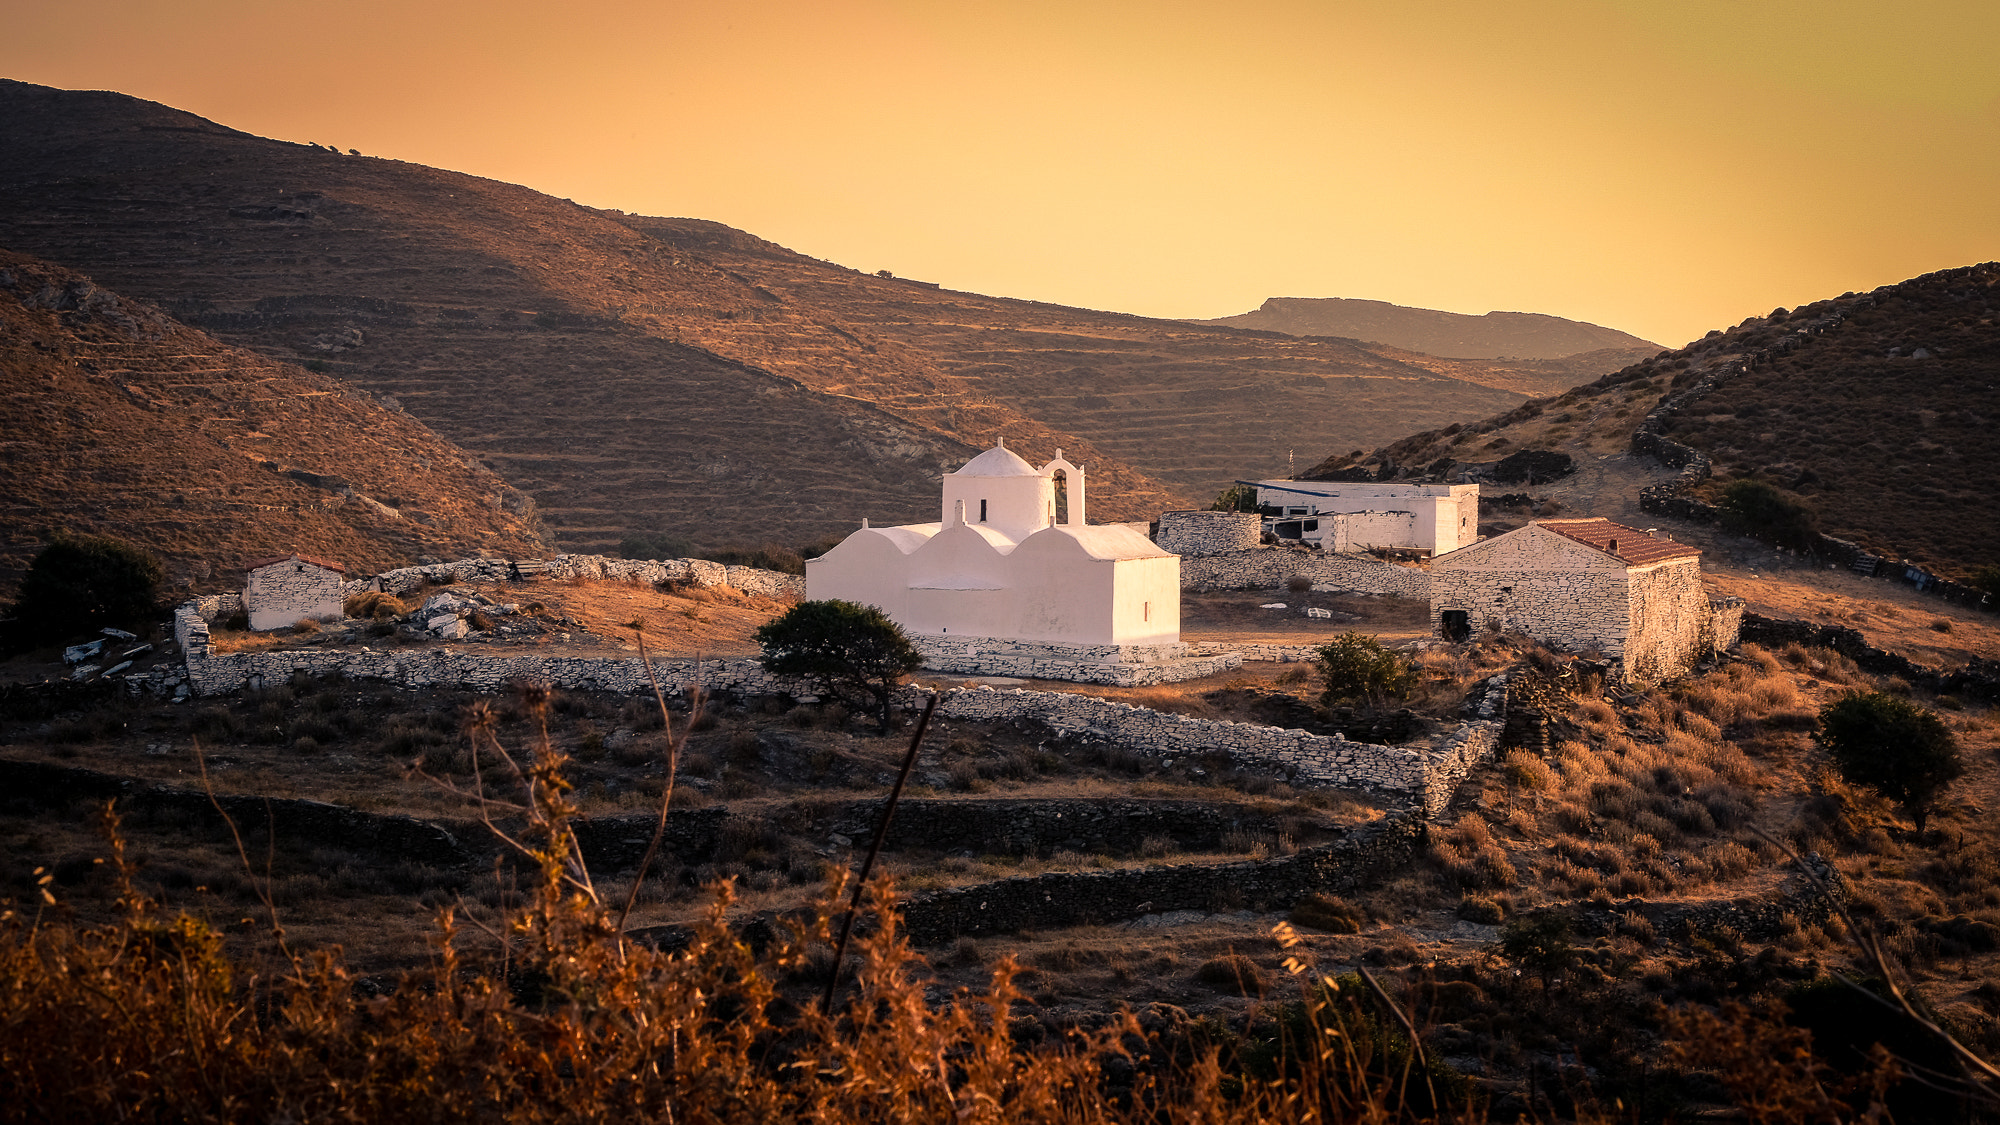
<point>1013,581</point>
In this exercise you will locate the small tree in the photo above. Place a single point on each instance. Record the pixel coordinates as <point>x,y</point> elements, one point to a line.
<point>1355,666</point>
<point>1893,746</point>
<point>1236,498</point>
<point>851,652</point>
<point>84,582</point>
<point>1540,944</point>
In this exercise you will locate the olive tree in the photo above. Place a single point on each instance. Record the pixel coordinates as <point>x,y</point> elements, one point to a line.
<point>853,653</point>
<point>1356,666</point>
<point>1892,746</point>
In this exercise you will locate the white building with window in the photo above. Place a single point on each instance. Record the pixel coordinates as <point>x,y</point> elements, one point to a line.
<point>1012,580</point>
<point>1347,517</point>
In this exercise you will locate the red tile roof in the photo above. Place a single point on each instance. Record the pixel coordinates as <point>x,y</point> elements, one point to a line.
<point>1628,545</point>
<point>255,564</point>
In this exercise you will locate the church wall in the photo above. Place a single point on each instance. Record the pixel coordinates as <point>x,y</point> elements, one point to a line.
<point>1062,595</point>
<point>1147,608</point>
<point>867,569</point>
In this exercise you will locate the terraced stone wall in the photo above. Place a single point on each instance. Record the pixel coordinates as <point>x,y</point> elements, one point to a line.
<point>1427,774</point>
<point>1366,855</point>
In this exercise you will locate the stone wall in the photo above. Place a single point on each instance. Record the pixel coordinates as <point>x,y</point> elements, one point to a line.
<point>1979,679</point>
<point>282,594</point>
<point>1193,534</point>
<point>1269,568</point>
<point>1365,856</point>
<point>1673,623</point>
<point>1578,609</point>
<point>1115,665</point>
<point>657,572</point>
<point>1427,775</point>
<point>1762,918</point>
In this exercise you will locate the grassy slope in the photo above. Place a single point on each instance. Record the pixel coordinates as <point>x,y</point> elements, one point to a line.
<point>126,423</point>
<point>1889,450</point>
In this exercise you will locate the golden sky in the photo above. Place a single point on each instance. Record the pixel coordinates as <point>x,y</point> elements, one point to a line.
<point>1661,166</point>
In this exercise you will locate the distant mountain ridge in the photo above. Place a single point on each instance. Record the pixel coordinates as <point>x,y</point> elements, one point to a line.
<point>1448,335</point>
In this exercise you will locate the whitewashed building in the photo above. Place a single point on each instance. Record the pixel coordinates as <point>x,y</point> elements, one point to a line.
<point>1347,517</point>
<point>1587,584</point>
<point>287,589</point>
<point>1013,580</point>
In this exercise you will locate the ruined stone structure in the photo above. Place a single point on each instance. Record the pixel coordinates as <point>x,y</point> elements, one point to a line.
<point>1192,534</point>
<point>1587,584</point>
<point>285,590</point>
<point>1009,566</point>
<point>1344,516</point>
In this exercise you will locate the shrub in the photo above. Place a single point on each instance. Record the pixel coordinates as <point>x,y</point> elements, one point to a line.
<point>851,652</point>
<point>1761,511</point>
<point>1232,972</point>
<point>376,604</point>
<point>79,583</point>
<point>1891,745</point>
<point>1356,666</point>
<point>1539,943</point>
<point>1328,913</point>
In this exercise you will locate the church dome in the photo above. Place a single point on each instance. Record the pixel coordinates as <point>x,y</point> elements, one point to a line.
<point>998,461</point>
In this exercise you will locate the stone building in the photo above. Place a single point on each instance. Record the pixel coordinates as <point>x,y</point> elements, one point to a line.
<point>1347,517</point>
<point>1186,533</point>
<point>1012,577</point>
<point>1584,584</point>
<point>284,590</point>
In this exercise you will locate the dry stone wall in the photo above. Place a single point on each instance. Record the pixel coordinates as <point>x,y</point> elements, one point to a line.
<point>1366,855</point>
<point>1267,568</point>
<point>1194,534</point>
<point>1116,665</point>
<point>658,572</point>
<point>1427,775</point>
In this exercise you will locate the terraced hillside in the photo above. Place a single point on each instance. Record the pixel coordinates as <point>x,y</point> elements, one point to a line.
<point>1876,410</point>
<point>656,376</point>
<point>124,422</point>
<point>1196,407</point>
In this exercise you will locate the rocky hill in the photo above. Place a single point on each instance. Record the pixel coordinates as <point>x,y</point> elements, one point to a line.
<point>124,422</point>
<point>1876,409</point>
<point>1517,335</point>
<point>669,375</point>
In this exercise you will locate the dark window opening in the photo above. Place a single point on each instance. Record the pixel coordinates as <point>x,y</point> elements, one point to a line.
<point>982,511</point>
<point>1456,625</point>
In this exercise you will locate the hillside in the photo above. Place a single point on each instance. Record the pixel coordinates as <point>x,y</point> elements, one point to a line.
<point>1517,335</point>
<point>123,422</point>
<point>666,375</point>
<point>1877,409</point>
<point>1194,407</point>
